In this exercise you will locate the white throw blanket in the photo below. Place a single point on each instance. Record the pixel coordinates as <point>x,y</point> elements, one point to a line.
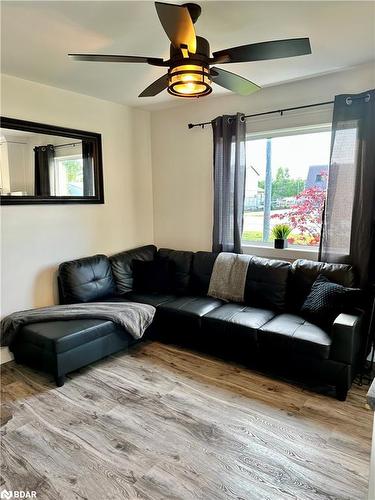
<point>228,277</point>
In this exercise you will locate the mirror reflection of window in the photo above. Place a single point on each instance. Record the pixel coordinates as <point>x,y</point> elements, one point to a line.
<point>67,170</point>
<point>67,177</point>
<point>45,165</point>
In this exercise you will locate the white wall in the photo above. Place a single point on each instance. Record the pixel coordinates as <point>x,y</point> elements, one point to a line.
<point>182,158</point>
<point>34,238</point>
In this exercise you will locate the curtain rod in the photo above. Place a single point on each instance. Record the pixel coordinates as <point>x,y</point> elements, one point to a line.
<point>57,146</point>
<point>69,144</point>
<point>281,111</point>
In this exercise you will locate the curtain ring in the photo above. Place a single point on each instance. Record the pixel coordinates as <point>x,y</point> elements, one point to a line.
<point>229,120</point>
<point>242,118</point>
<point>349,100</point>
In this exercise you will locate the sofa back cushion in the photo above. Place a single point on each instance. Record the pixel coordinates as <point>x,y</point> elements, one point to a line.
<point>304,273</point>
<point>266,283</point>
<point>122,265</point>
<point>201,270</point>
<point>181,261</point>
<point>86,280</point>
<point>266,280</point>
<point>153,276</point>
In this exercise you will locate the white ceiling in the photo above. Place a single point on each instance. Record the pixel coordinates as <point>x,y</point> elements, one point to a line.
<point>36,37</point>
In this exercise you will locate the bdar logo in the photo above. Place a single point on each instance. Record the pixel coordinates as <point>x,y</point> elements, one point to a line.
<point>5,494</point>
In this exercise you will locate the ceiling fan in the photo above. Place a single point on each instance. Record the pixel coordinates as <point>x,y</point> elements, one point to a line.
<point>190,70</point>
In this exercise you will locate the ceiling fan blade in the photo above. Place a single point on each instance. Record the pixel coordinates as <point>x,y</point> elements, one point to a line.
<point>235,83</point>
<point>116,58</point>
<point>178,25</point>
<point>265,50</point>
<point>156,87</point>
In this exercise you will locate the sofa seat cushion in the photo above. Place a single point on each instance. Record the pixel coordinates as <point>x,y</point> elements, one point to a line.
<point>61,336</point>
<point>232,319</point>
<point>187,311</point>
<point>114,298</point>
<point>195,306</point>
<point>291,332</point>
<point>153,298</point>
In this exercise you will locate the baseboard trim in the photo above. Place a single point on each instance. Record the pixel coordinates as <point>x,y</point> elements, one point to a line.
<point>5,355</point>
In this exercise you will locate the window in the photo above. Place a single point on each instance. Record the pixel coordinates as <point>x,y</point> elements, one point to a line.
<point>286,181</point>
<point>67,176</point>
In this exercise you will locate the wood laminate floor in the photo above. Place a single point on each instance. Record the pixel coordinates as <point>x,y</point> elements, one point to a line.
<point>160,422</point>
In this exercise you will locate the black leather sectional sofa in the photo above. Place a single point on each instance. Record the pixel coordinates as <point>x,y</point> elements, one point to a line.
<point>266,330</point>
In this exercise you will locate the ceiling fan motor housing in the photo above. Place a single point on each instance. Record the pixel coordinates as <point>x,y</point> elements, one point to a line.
<point>194,10</point>
<point>202,52</point>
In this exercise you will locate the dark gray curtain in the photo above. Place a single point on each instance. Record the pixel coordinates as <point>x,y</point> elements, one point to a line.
<point>229,133</point>
<point>348,226</point>
<point>88,174</point>
<point>44,161</point>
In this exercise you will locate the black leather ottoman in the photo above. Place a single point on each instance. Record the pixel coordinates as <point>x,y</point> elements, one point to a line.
<point>59,347</point>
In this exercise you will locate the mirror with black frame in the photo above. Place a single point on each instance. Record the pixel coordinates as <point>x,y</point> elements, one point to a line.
<point>47,164</point>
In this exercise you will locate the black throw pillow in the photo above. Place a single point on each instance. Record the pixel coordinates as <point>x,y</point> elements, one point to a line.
<point>327,300</point>
<point>152,276</point>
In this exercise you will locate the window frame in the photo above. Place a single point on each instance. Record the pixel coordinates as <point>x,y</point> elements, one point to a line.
<point>266,249</point>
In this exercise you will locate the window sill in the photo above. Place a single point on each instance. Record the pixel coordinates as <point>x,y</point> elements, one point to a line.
<point>290,253</point>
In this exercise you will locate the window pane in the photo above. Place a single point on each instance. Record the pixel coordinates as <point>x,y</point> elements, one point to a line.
<point>68,176</point>
<point>254,193</point>
<point>298,166</point>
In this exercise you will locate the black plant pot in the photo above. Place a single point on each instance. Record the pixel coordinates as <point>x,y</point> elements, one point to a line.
<point>280,243</point>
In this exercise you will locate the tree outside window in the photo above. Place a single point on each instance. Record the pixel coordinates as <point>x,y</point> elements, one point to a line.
<point>286,182</point>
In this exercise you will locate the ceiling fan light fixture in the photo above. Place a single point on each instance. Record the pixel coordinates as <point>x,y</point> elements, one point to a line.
<point>189,80</point>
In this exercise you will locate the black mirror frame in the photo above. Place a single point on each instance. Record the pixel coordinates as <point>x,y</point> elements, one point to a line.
<point>13,123</point>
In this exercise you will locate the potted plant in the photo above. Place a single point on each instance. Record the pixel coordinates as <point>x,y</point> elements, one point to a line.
<point>280,233</point>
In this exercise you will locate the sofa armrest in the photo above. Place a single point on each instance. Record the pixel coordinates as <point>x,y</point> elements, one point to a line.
<point>346,337</point>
